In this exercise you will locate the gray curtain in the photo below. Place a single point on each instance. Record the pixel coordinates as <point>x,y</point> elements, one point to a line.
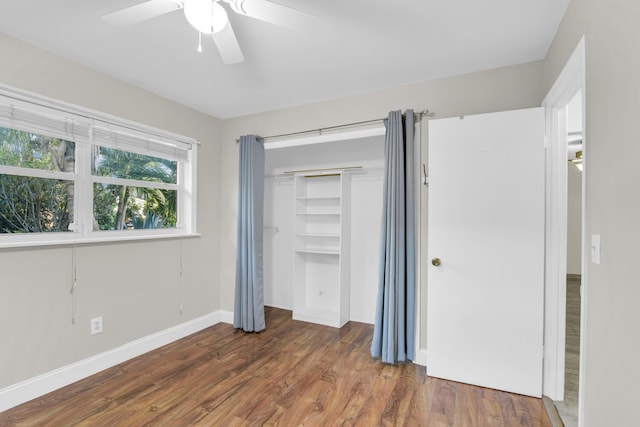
<point>248,313</point>
<point>393,334</point>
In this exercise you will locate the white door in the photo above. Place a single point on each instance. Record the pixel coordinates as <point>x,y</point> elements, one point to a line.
<point>486,226</point>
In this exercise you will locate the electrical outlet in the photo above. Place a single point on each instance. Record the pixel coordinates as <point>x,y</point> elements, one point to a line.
<point>96,325</point>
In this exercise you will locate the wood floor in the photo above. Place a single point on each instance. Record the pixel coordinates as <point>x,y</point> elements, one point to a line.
<point>568,408</point>
<point>292,374</point>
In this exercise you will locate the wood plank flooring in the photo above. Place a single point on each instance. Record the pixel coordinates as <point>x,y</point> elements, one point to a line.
<point>568,408</point>
<point>292,374</point>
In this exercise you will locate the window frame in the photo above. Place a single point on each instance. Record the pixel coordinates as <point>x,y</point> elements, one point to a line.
<point>48,117</point>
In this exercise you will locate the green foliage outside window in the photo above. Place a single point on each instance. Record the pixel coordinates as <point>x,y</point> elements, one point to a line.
<point>124,207</point>
<point>33,205</point>
<point>30,204</point>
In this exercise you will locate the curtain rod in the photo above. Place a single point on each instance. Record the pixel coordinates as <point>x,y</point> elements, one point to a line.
<point>420,115</point>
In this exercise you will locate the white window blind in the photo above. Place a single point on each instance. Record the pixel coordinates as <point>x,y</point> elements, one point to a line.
<point>50,123</point>
<point>140,143</point>
<point>32,114</point>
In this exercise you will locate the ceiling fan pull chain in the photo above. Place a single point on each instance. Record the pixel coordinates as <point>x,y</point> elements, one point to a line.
<point>199,42</point>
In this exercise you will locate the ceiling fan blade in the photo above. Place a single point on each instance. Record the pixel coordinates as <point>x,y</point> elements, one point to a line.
<point>141,12</point>
<point>227,45</point>
<point>274,13</point>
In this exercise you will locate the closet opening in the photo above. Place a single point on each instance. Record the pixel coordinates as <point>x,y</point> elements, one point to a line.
<point>322,212</point>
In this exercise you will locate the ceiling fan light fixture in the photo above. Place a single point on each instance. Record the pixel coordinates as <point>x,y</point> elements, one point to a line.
<point>206,16</point>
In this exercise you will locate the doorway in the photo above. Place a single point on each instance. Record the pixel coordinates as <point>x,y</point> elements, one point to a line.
<point>364,159</point>
<point>565,262</point>
<point>568,406</point>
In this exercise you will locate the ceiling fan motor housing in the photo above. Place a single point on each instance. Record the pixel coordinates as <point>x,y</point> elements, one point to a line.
<point>206,16</point>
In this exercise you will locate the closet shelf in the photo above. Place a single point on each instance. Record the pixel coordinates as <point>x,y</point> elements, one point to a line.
<point>319,251</point>
<point>337,235</point>
<point>318,198</point>
<point>319,213</point>
<point>321,261</point>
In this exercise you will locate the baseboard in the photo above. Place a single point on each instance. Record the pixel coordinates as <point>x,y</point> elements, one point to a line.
<point>32,388</point>
<point>225,316</point>
<point>552,412</point>
<point>421,357</point>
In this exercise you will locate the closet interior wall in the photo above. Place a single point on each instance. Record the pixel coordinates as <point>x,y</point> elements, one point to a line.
<point>365,215</point>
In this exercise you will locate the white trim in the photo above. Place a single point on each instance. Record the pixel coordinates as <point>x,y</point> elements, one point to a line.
<point>133,183</point>
<point>421,357</point>
<point>330,137</point>
<point>36,173</point>
<point>555,255</point>
<point>570,81</point>
<point>32,388</point>
<point>417,204</point>
<point>225,316</point>
<point>188,200</point>
<point>61,239</point>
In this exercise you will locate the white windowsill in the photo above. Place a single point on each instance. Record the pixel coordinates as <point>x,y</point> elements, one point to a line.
<point>121,237</point>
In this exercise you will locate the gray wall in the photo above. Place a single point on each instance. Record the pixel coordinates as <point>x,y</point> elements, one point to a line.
<point>134,286</point>
<point>612,348</point>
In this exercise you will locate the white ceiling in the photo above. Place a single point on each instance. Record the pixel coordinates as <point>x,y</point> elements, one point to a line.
<point>359,46</point>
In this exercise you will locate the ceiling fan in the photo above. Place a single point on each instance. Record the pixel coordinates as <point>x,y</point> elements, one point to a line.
<point>210,17</point>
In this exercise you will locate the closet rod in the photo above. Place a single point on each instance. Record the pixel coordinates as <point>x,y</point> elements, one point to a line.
<point>419,115</point>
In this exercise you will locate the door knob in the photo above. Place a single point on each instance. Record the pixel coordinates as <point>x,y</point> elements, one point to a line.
<point>436,262</point>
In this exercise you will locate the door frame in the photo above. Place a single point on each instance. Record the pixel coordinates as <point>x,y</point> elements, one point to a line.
<point>570,82</point>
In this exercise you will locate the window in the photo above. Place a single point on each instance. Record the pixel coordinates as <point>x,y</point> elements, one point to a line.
<point>70,175</point>
<point>29,201</point>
